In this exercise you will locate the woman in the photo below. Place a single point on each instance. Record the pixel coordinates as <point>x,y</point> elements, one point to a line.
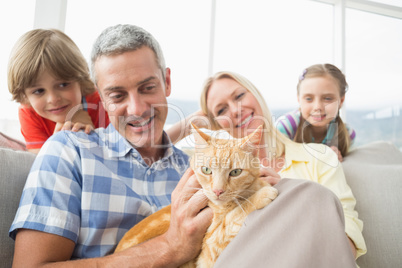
<point>232,103</point>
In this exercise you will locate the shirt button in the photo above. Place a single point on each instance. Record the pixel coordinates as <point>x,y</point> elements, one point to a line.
<point>149,172</point>
<point>135,154</point>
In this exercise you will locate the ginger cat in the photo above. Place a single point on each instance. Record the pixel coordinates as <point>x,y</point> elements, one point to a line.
<point>228,171</point>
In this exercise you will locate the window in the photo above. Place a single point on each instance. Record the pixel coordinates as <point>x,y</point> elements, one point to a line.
<point>397,3</point>
<point>181,27</point>
<point>373,69</point>
<point>14,22</point>
<point>269,42</point>
<point>263,40</point>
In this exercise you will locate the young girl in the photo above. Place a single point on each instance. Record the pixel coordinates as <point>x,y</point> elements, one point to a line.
<point>320,93</point>
<point>49,76</point>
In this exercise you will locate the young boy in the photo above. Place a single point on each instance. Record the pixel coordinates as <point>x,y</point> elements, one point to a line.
<point>49,76</point>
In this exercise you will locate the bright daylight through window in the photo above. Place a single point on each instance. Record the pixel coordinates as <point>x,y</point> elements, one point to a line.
<point>269,42</point>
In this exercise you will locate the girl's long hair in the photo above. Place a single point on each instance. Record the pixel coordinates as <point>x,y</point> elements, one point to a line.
<point>341,138</point>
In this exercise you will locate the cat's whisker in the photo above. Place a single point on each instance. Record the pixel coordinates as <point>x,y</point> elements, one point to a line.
<point>246,199</point>
<point>241,207</point>
<point>247,190</point>
<point>245,194</point>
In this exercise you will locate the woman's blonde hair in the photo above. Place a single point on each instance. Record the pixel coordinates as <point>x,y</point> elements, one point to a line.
<point>46,50</point>
<point>341,138</point>
<point>274,140</point>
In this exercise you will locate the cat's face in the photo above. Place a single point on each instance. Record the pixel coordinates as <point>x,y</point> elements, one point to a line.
<point>226,168</point>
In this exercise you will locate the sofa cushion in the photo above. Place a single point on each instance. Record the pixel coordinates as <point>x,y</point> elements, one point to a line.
<point>14,169</point>
<point>374,172</point>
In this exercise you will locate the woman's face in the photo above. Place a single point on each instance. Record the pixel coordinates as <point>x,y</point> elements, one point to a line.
<point>234,108</point>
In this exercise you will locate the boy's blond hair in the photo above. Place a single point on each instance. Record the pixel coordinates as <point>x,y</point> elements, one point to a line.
<point>46,50</point>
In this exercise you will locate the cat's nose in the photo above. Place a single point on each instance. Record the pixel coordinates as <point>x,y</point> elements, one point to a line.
<point>218,192</point>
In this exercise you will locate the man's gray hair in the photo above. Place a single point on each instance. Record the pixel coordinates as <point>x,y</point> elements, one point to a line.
<point>123,38</point>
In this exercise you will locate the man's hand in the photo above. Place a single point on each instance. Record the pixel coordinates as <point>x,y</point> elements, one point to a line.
<point>190,219</point>
<point>269,175</point>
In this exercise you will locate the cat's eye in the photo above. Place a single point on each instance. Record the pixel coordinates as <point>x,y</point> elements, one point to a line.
<point>235,172</point>
<point>206,170</point>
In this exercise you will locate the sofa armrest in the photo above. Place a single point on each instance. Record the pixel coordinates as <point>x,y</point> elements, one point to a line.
<point>374,172</point>
<point>14,166</point>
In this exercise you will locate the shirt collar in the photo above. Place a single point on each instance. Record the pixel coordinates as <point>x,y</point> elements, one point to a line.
<point>306,152</point>
<point>170,148</point>
<point>119,147</point>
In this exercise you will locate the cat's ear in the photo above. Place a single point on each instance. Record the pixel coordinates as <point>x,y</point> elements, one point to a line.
<point>252,141</point>
<point>201,139</point>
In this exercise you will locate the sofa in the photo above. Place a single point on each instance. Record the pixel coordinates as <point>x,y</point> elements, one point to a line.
<point>373,171</point>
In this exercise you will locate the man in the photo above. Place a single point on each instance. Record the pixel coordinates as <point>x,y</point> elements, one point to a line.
<point>85,191</point>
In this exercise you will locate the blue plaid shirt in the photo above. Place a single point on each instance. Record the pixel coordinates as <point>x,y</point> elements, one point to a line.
<point>93,188</point>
